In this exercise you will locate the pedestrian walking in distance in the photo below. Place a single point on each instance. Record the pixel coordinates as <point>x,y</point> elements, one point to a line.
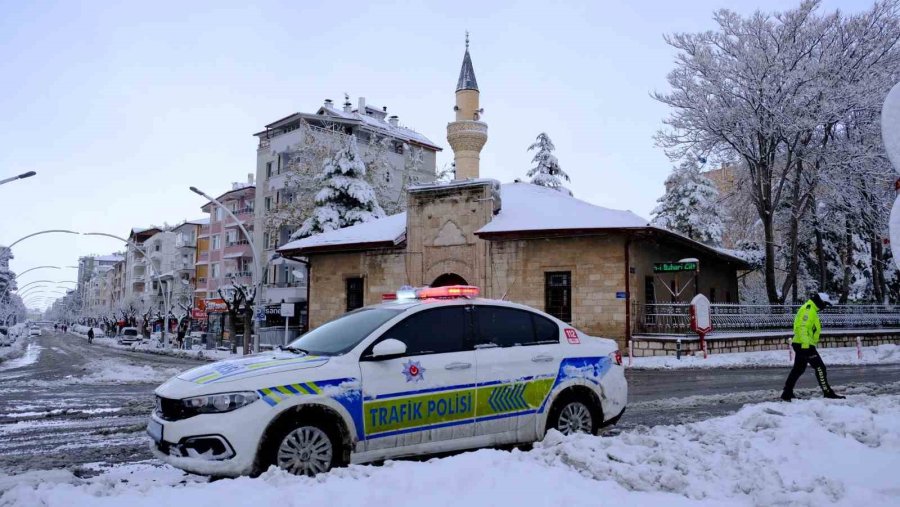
<point>90,335</point>
<point>807,329</point>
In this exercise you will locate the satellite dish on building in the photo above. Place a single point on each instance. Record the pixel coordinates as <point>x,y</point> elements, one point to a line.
<point>299,274</point>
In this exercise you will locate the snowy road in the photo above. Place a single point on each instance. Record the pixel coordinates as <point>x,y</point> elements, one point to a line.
<point>65,403</point>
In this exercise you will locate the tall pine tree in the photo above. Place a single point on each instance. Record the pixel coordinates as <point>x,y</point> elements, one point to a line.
<point>689,205</point>
<point>546,171</point>
<point>345,198</point>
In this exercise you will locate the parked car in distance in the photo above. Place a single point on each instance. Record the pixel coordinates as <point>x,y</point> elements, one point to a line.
<point>6,339</point>
<point>129,335</point>
<point>34,331</point>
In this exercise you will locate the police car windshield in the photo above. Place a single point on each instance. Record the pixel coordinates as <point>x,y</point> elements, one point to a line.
<point>342,334</point>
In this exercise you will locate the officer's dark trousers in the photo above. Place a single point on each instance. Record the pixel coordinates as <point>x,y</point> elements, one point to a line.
<point>802,357</point>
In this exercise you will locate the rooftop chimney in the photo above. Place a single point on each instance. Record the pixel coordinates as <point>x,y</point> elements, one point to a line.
<point>362,106</point>
<point>249,178</point>
<point>393,120</point>
<point>327,102</point>
<point>348,106</point>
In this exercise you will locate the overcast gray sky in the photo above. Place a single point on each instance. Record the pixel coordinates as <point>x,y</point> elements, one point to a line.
<point>120,108</point>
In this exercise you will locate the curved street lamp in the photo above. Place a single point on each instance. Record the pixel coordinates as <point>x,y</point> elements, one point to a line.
<point>48,231</point>
<point>18,177</point>
<point>43,281</point>
<point>34,268</point>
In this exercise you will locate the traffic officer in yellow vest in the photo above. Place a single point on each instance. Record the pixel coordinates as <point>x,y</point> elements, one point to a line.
<point>807,328</point>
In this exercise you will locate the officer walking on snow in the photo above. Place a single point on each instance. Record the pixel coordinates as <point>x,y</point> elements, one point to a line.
<point>807,329</point>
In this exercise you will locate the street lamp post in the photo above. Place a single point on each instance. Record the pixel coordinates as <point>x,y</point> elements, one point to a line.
<point>48,231</point>
<point>19,177</point>
<point>257,269</point>
<point>34,268</point>
<point>153,269</point>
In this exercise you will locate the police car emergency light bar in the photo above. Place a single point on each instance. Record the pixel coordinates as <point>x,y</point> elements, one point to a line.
<point>449,292</point>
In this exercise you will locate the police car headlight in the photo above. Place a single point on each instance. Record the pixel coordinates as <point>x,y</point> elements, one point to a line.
<point>218,403</point>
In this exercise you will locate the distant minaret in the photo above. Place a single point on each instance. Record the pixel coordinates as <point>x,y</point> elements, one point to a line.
<point>467,134</point>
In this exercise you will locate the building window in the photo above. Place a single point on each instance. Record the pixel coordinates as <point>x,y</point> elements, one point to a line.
<point>215,242</point>
<point>558,294</point>
<point>279,163</point>
<point>268,203</point>
<point>215,270</point>
<point>268,169</point>
<point>354,293</point>
<point>220,214</point>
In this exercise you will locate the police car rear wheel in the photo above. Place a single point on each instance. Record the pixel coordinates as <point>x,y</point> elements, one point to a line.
<point>575,417</point>
<point>306,450</point>
<point>575,412</point>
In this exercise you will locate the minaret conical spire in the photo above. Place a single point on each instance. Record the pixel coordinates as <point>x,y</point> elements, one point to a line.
<point>467,72</point>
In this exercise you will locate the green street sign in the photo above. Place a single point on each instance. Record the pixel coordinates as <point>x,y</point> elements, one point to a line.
<point>674,267</point>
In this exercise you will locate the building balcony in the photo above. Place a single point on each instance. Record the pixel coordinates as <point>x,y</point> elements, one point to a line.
<point>237,250</point>
<point>287,294</point>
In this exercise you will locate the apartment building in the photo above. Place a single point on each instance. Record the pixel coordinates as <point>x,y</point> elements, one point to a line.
<point>137,273</point>
<point>283,179</point>
<point>227,256</point>
<point>94,282</point>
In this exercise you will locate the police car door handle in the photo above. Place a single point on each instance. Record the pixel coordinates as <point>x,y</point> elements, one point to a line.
<point>458,366</point>
<point>543,358</point>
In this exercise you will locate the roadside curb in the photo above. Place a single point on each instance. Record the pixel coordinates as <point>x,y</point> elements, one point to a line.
<point>196,356</point>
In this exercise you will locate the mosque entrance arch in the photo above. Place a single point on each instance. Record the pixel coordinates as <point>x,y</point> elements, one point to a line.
<point>449,279</point>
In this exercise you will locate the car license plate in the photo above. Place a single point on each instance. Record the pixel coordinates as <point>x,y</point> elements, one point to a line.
<point>155,430</point>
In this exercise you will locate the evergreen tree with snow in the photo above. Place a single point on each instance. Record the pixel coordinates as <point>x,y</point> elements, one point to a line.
<point>345,198</point>
<point>546,171</point>
<point>689,205</point>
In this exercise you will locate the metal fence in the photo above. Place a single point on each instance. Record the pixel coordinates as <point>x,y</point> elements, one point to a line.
<point>271,337</point>
<point>676,317</point>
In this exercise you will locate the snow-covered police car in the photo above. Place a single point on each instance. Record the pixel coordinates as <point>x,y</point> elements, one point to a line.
<point>433,370</point>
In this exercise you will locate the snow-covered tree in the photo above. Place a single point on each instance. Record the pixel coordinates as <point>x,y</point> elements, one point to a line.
<point>792,97</point>
<point>345,198</point>
<point>546,171</point>
<point>690,205</point>
<point>239,299</point>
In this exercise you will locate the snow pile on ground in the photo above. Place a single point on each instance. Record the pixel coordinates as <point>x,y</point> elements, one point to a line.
<point>880,354</point>
<point>14,350</point>
<point>810,452</point>
<point>153,348</point>
<point>24,353</point>
<point>115,372</point>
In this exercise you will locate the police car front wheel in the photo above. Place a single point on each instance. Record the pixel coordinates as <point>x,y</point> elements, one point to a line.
<point>306,450</point>
<point>575,413</point>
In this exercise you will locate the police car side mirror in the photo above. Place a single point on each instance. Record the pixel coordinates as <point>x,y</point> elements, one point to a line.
<point>388,349</point>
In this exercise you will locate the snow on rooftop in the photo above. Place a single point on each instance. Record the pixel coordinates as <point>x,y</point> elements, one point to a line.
<point>388,229</point>
<point>376,123</point>
<point>528,207</point>
<point>109,258</point>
